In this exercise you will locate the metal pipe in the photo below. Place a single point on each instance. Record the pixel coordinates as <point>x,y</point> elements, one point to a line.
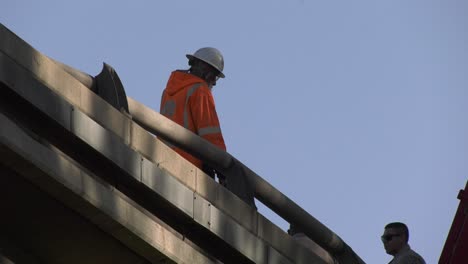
<point>84,78</point>
<point>293,213</point>
<point>221,160</point>
<point>177,135</point>
<point>159,125</point>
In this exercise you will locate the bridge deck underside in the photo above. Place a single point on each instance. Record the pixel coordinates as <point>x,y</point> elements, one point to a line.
<point>36,228</point>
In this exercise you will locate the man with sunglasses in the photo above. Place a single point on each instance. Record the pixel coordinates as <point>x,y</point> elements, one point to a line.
<point>395,240</point>
<point>187,100</point>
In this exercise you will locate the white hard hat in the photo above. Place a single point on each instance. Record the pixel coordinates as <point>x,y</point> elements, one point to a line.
<point>211,56</point>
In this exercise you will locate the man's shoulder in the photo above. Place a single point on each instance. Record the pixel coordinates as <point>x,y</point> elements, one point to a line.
<point>201,88</point>
<point>411,257</point>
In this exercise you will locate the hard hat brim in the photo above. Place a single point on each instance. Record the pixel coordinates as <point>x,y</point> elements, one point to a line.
<point>191,57</point>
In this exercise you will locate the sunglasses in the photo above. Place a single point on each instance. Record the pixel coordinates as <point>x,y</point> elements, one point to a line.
<point>387,238</point>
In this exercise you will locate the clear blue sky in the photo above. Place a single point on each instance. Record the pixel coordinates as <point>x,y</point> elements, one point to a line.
<point>354,109</point>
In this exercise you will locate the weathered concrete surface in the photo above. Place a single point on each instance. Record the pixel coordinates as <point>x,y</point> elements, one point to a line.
<point>98,224</point>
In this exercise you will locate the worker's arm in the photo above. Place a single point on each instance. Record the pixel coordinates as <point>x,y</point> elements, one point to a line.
<point>205,118</point>
<point>206,124</point>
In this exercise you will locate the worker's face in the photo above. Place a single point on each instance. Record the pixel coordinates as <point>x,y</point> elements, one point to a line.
<point>208,73</point>
<point>211,79</point>
<point>393,240</point>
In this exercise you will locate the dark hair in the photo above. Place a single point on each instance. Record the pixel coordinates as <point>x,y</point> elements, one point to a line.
<point>400,227</point>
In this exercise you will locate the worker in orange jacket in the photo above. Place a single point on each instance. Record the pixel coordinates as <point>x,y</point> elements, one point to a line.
<point>187,100</point>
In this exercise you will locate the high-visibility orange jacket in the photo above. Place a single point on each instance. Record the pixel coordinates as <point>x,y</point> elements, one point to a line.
<point>188,101</point>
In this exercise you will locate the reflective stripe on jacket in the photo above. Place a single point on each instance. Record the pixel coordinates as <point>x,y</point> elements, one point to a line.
<point>188,101</point>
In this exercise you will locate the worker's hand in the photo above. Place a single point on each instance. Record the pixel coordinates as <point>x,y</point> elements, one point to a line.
<point>208,170</point>
<point>222,179</point>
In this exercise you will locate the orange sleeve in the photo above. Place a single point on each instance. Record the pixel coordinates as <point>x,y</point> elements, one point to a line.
<point>205,118</point>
